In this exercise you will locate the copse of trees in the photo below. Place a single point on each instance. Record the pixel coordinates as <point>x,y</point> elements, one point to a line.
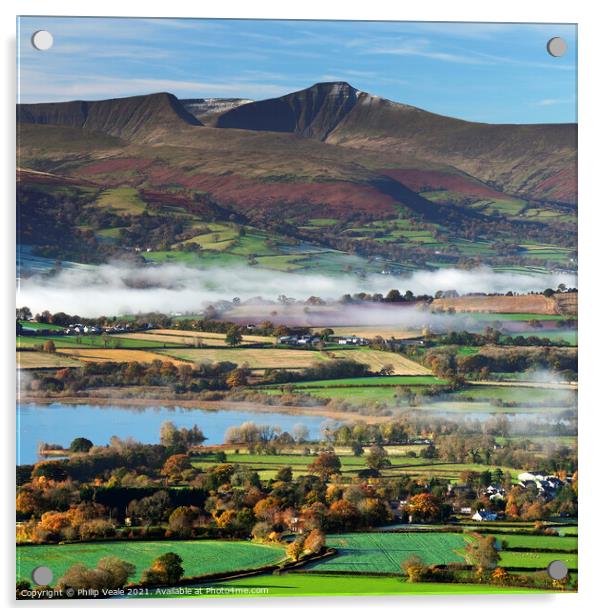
<point>261,437</point>
<point>180,440</point>
<point>80,444</point>
<point>166,569</point>
<point>494,336</point>
<point>182,378</point>
<point>334,369</point>
<point>110,573</point>
<point>448,363</point>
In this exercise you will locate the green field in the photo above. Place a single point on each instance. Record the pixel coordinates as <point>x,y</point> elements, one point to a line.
<point>267,465</point>
<point>566,531</point>
<point>98,342</point>
<point>511,316</point>
<point>33,325</point>
<point>365,394</point>
<point>385,552</point>
<point>517,395</point>
<point>371,381</point>
<point>538,542</point>
<point>307,585</point>
<point>124,200</point>
<point>556,335</point>
<point>200,557</point>
<point>535,560</point>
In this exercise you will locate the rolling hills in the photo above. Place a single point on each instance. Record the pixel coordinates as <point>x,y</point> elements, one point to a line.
<point>329,166</point>
<point>536,161</point>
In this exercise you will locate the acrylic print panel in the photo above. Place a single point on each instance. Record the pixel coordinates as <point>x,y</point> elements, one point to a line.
<point>297,308</point>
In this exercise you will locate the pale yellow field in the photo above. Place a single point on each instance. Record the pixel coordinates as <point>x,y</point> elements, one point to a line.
<point>378,359</point>
<point>255,358</point>
<point>117,355</point>
<point>161,339</point>
<point>293,358</point>
<point>209,335</point>
<point>371,331</point>
<point>35,359</point>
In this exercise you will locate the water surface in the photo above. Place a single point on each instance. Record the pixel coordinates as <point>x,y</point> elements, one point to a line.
<point>59,423</point>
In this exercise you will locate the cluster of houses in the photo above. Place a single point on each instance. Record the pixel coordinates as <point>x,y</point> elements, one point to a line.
<point>299,340</point>
<point>77,329</point>
<point>356,340</point>
<point>547,485</point>
<point>304,339</point>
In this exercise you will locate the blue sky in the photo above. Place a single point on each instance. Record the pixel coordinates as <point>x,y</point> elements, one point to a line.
<point>480,72</point>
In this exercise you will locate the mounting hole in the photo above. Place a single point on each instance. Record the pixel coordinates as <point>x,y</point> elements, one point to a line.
<point>42,40</point>
<point>557,47</point>
<point>42,576</point>
<point>558,570</point>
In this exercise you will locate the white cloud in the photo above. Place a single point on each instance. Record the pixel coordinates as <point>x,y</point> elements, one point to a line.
<point>38,86</point>
<point>546,102</point>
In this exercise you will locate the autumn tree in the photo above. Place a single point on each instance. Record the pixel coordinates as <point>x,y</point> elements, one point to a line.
<point>295,549</point>
<point>483,553</point>
<point>325,465</point>
<point>182,519</point>
<point>500,576</point>
<point>343,514</point>
<point>314,542</point>
<point>376,458</point>
<point>285,474</point>
<point>49,346</point>
<point>175,465</point>
<point>179,440</point>
<point>166,569</point>
<point>233,336</point>
<point>80,444</point>
<point>267,509</point>
<point>414,568</point>
<point>237,378</point>
<point>425,507</point>
<point>109,573</point>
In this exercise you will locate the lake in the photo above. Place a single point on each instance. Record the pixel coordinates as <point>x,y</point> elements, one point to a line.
<point>60,423</point>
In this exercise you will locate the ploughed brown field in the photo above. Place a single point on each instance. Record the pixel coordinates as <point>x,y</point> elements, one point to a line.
<point>564,303</point>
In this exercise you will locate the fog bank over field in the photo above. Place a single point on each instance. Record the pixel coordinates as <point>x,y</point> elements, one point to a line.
<point>120,288</point>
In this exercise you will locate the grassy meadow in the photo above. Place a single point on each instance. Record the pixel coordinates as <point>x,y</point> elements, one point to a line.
<point>200,557</point>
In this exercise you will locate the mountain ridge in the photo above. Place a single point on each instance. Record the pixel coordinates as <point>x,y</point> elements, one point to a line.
<point>133,117</point>
<point>529,161</point>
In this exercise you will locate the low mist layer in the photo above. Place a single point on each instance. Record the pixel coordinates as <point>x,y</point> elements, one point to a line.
<point>119,288</point>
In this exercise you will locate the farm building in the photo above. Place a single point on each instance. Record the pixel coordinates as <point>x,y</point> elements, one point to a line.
<point>484,516</point>
<point>357,340</point>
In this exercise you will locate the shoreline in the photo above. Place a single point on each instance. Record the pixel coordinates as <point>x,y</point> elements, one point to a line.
<point>209,405</point>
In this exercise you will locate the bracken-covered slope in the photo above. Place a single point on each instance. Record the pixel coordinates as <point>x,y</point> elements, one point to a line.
<point>536,161</point>
<point>329,165</point>
<point>134,118</point>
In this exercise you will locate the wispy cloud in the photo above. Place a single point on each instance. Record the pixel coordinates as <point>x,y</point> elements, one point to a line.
<point>423,48</point>
<point>38,86</point>
<point>546,102</point>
